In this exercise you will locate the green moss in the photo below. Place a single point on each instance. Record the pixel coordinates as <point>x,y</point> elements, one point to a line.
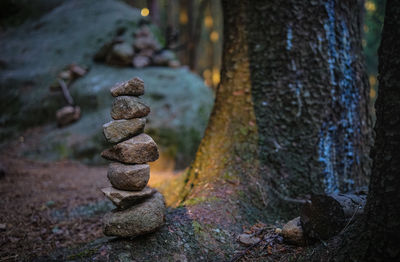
<point>229,176</point>
<point>82,254</point>
<point>62,150</point>
<point>197,228</point>
<point>243,130</point>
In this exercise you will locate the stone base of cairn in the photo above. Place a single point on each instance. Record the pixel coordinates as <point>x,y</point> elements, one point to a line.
<point>140,209</point>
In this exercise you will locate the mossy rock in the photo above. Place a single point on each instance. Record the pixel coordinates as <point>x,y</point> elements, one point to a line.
<point>73,32</point>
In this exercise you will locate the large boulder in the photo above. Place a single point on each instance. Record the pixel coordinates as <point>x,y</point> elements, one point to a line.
<point>34,53</point>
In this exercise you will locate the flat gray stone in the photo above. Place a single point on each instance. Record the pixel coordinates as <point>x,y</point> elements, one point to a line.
<point>123,199</point>
<point>133,87</point>
<point>136,150</point>
<point>127,107</point>
<point>128,177</point>
<point>118,130</point>
<point>143,218</point>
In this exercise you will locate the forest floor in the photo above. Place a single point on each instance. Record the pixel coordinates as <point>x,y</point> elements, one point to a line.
<point>51,211</point>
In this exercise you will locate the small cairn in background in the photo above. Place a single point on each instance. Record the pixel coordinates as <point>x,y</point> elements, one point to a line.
<point>139,50</point>
<point>140,209</point>
<point>71,112</point>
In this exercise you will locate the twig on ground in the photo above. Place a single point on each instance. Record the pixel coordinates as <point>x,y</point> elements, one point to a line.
<point>351,219</point>
<point>240,255</point>
<point>65,91</point>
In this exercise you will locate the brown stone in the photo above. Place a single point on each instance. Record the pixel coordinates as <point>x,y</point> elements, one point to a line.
<point>124,199</point>
<point>133,87</point>
<point>127,107</point>
<point>128,177</point>
<point>140,219</point>
<point>68,115</point>
<point>137,150</point>
<point>118,130</point>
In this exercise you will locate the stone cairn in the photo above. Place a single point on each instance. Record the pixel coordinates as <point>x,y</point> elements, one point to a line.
<point>140,209</point>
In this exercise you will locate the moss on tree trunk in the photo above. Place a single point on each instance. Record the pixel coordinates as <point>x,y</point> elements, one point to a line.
<point>291,112</point>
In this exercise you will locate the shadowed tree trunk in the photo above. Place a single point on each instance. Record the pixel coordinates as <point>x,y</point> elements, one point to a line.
<point>376,237</point>
<point>383,204</point>
<point>291,112</point>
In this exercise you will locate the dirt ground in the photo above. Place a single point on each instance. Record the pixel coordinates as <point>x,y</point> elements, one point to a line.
<point>45,206</point>
<point>52,211</point>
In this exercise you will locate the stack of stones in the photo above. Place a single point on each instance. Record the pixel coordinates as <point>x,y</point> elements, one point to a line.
<point>140,209</point>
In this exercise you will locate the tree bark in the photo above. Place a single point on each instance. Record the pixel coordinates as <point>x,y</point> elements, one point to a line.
<point>383,204</point>
<point>291,112</point>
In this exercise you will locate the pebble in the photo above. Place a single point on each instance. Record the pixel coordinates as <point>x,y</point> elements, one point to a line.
<point>292,232</point>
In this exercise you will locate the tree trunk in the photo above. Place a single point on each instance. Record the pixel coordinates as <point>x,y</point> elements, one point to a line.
<point>291,112</point>
<point>383,204</point>
<point>154,11</point>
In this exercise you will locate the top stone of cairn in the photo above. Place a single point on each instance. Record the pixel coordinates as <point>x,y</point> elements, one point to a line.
<point>133,87</point>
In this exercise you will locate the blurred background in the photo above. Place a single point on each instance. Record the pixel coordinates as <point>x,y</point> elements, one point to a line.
<point>58,60</point>
<point>175,46</point>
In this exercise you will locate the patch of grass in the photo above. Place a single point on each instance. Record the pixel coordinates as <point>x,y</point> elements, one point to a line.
<point>197,228</point>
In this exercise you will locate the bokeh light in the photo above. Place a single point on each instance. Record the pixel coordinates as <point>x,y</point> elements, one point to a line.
<point>208,21</point>
<point>370,6</point>
<point>214,36</point>
<point>145,12</point>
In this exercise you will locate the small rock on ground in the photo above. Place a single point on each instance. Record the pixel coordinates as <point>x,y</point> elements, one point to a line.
<point>68,115</point>
<point>293,232</point>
